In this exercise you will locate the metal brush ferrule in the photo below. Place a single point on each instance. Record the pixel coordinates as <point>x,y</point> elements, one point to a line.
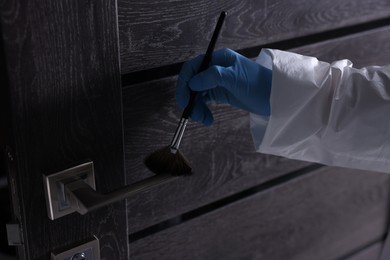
<point>176,140</point>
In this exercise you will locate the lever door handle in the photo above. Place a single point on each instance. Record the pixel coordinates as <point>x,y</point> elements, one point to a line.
<point>73,190</point>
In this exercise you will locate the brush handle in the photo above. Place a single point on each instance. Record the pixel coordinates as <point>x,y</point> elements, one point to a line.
<point>205,64</point>
<point>176,140</point>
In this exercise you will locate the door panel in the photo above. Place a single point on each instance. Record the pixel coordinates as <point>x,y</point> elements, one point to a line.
<point>363,49</point>
<point>65,96</point>
<point>322,215</point>
<point>65,106</point>
<point>157,33</point>
<point>223,155</point>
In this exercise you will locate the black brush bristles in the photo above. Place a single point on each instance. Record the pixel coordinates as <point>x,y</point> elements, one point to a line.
<point>163,161</point>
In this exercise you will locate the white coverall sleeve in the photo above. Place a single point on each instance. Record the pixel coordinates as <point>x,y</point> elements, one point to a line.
<point>332,114</point>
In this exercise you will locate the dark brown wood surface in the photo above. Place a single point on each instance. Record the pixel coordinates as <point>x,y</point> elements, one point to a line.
<point>156,33</point>
<point>223,155</point>
<point>363,49</point>
<point>324,215</point>
<point>63,65</point>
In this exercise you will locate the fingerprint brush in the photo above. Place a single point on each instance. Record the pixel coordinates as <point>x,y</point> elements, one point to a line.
<point>169,159</point>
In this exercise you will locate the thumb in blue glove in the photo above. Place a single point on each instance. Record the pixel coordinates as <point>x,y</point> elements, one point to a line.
<point>230,79</point>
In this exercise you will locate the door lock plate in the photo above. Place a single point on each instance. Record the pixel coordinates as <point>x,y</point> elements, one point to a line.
<point>57,200</point>
<point>87,251</point>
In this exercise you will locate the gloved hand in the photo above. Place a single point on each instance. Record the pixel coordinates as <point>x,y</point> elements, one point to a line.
<point>230,79</point>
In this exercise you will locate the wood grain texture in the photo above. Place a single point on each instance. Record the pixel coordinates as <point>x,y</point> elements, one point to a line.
<point>155,33</point>
<point>322,216</point>
<point>363,49</point>
<point>222,155</point>
<point>63,65</point>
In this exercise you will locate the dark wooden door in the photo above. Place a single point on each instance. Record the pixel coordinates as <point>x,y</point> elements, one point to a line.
<point>65,106</point>
<point>95,80</point>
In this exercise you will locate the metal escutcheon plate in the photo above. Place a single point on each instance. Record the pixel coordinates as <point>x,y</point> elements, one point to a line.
<point>56,197</point>
<point>87,251</point>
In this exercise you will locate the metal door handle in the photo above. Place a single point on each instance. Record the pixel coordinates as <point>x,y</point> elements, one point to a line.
<point>73,190</point>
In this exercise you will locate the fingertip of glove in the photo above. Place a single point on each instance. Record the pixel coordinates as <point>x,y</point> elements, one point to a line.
<point>195,83</point>
<point>208,120</point>
<point>181,102</point>
<point>205,118</point>
<point>182,97</point>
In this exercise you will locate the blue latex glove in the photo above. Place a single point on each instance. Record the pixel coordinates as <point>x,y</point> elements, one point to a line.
<point>230,79</point>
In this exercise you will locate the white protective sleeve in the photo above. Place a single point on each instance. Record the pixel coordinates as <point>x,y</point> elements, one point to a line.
<point>332,114</point>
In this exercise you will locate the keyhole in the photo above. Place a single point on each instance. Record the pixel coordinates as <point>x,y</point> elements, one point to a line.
<point>79,256</point>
